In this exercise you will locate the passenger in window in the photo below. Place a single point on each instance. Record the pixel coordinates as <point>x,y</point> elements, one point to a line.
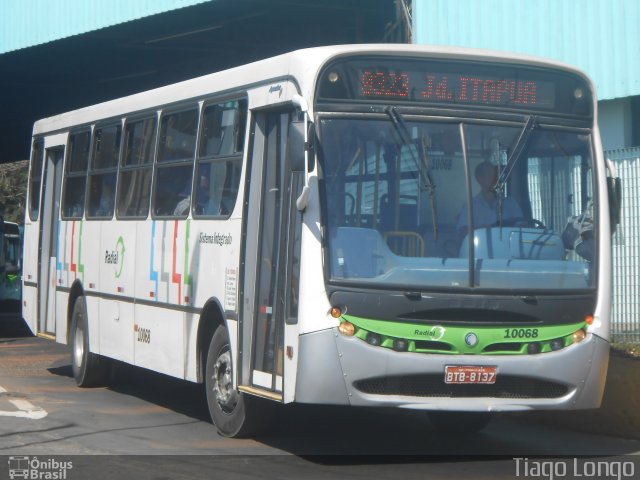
<point>105,208</point>
<point>182,208</point>
<point>486,203</point>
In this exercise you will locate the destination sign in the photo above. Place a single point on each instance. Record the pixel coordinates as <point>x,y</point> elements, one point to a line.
<point>455,83</point>
<point>457,88</point>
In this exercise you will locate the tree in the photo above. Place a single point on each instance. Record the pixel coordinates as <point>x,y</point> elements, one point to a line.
<point>13,190</point>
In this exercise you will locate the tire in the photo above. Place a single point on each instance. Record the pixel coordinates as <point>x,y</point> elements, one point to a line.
<point>89,369</point>
<point>459,422</point>
<point>234,413</point>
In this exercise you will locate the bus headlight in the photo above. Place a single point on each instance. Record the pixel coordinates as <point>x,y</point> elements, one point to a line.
<point>579,336</point>
<point>347,328</point>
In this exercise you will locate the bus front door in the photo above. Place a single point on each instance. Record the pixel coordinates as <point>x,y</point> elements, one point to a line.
<point>271,261</point>
<point>48,240</point>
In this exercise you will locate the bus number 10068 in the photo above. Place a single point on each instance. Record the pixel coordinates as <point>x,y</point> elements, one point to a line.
<point>521,333</point>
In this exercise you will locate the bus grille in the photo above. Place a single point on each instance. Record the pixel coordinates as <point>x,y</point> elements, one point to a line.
<point>434,386</point>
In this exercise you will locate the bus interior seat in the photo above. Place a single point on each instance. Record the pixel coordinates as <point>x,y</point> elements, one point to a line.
<point>405,243</point>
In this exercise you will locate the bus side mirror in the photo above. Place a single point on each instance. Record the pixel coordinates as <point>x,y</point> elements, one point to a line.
<point>614,188</point>
<point>614,191</point>
<point>296,146</point>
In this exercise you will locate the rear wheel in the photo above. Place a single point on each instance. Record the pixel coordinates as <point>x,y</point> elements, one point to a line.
<point>234,413</point>
<point>459,422</point>
<point>89,369</point>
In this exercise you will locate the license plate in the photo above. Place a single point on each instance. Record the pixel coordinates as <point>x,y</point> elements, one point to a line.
<point>471,374</point>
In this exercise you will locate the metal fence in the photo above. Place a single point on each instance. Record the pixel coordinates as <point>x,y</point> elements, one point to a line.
<point>626,249</point>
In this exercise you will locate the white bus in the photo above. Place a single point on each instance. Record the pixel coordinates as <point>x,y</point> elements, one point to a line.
<point>373,225</point>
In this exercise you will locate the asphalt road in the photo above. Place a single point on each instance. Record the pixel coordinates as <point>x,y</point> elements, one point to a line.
<point>147,425</point>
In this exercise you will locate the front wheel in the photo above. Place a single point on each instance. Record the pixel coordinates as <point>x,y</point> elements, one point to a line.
<point>459,422</point>
<point>233,413</point>
<point>89,369</point>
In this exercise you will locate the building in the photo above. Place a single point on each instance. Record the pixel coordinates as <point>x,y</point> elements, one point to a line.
<point>598,36</point>
<point>58,55</point>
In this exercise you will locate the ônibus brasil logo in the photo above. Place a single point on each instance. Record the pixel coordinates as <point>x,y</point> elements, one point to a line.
<point>36,469</point>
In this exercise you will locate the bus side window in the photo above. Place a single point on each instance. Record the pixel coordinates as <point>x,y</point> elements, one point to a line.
<point>134,177</point>
<point>219,161</point>
<point>76,175</point>
<point>102,177</point>
<point>35,178</point>
<point>174,165</point>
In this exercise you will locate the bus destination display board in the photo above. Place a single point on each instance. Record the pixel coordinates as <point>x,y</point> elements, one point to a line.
<point>455,83</point>
<point>456,88</point>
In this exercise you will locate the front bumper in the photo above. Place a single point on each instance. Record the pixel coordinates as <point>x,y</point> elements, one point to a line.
<point>334,369</point>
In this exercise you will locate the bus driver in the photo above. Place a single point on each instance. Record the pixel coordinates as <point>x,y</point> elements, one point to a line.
<point>485,203</point>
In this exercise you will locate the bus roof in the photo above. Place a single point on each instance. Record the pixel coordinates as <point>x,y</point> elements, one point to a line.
<point>300,65</point>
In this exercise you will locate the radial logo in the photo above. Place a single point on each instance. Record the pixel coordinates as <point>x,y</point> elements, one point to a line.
<point>471,339</point>
<point>434,333</point>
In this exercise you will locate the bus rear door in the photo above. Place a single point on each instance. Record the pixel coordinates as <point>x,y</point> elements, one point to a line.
<point>48,240</point>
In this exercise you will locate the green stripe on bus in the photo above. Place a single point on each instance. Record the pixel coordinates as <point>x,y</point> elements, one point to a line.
<point>447,338</point>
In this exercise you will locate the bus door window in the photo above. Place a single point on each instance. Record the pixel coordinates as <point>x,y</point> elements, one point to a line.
<point>35,179</point>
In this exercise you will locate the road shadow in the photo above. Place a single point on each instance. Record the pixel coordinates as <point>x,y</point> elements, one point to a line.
<point>61,371</point>
<point>178,395</point>
<point>342,435</point>
<point>13,326</point>
<point>349,435</point>
<point>185,398</point>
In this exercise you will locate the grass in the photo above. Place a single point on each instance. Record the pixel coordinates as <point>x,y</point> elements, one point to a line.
<point>627,349</point>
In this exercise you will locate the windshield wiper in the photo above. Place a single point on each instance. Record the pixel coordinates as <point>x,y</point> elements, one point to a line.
<point>423,166</point>
<point>513,158</point>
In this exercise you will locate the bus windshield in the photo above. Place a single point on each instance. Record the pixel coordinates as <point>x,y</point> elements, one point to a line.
<point>420,204</point>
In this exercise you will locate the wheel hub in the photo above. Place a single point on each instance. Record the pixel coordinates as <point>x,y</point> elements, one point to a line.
<point>226,396</point>
<point>78,347</point>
